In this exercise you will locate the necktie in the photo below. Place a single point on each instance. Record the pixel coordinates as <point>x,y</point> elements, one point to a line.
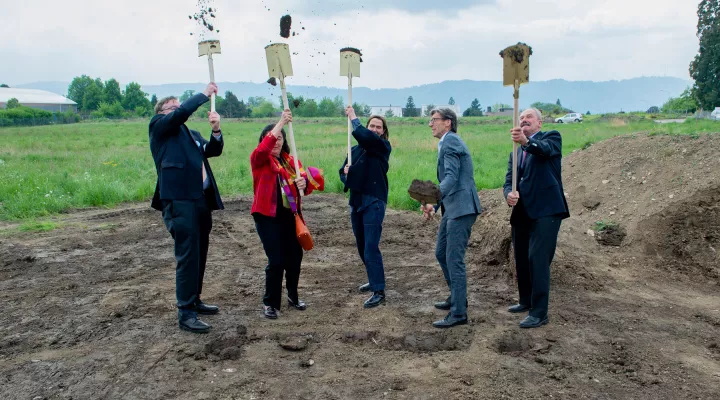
<point>197,143</point>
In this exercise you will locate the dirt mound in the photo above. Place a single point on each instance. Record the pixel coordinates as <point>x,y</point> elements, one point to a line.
<point>662,190</point>
<point>688,239</point>
<point>651,196</point>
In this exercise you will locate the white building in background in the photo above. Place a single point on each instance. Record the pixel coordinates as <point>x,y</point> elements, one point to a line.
<point>40,99</point>
<point>382,110</point>
<point>715,114</point>
<point>453,107</point>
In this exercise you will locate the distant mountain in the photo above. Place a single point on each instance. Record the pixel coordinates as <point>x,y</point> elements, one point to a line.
<point>637,94</point>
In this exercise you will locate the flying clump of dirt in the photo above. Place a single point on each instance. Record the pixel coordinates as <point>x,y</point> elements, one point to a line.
<point>516,52</point>
<point>352,49</point>
<point>205,17</point>
<point>272,81</point>
<point>285,25</point>
<point>426,192</point>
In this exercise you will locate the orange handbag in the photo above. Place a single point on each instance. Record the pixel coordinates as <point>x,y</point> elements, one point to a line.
<point>303,234</point>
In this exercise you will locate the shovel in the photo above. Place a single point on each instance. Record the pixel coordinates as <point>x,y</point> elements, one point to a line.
<point>279,66</point>
<point>208,48</point>
<point>350,66</point>
<point>516,71</point>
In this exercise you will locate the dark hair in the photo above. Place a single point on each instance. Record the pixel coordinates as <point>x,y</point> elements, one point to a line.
<point>285,147</point>
<point>386,133</point>
<point>447,114</point>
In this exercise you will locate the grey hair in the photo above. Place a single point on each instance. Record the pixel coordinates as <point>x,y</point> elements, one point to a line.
<point>538,114</point>
<point>447,113</point>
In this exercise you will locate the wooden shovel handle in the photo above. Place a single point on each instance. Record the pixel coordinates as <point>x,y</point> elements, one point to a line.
<point>349,150</point>
<point>212,79</point>
<point>291,134</point>
<point>516,122</point>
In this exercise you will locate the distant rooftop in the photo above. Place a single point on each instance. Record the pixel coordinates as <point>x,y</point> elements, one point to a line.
<point>33,96</point>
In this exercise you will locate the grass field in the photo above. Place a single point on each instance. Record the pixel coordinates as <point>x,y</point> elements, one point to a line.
<point>51,169</point>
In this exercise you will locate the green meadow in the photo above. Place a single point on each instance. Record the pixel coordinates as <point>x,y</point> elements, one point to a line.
<point>52,169</point>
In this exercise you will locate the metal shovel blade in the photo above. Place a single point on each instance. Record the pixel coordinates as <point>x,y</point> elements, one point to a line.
<point>516,64</point>
<point>278,60</point>
<point>349,64</point>
<point>207,47</point>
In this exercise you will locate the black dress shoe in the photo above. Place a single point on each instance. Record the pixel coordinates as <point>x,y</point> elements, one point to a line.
<point>533,322</point>
<point>188,321</point>
<point>518,308</point>
<point>297,304</point>
<point>375,300</point>
<point>205,309</point>
<point>270,312</point>
<point>364,288</point>
<point>443,305</point>
<point>450,321</point>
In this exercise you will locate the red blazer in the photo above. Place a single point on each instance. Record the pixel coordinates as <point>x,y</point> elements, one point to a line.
<point>265,179</point>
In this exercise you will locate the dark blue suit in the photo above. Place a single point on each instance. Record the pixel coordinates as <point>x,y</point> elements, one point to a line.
<point>536,218</point>
<point>179,193</point>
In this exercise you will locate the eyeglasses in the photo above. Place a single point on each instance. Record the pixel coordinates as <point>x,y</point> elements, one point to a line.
<point>171,108</point>
<point>432,120</point>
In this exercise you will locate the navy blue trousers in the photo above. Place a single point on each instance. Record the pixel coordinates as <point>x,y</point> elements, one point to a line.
<point>534,241</point>
<point>367,227</point>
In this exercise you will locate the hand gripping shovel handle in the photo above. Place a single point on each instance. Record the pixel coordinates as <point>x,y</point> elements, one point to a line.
<point>291,135</point>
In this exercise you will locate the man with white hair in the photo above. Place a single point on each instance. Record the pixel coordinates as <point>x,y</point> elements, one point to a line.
<point>539,207</point>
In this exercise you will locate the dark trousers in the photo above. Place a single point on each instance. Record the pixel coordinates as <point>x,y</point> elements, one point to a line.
<point>534,242</point>
<point>367,227</point>
<point>452,242</point>
<point>189,223</point>
<point>284,254</point>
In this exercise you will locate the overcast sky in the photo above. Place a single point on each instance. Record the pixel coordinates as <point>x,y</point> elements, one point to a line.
<point>404,42</point>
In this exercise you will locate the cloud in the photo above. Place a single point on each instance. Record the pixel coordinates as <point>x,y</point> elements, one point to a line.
<point>405,43</point>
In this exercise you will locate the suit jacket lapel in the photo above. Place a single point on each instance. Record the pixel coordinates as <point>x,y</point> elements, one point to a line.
<point>440,166</point>
<point>192,139</point>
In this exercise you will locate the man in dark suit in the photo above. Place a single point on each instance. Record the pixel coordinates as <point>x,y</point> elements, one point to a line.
<point>186,193</point>
<point>539,207</point>
<point>460,206</point>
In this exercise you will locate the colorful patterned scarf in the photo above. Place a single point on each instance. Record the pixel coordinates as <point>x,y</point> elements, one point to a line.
<point>285,168</point>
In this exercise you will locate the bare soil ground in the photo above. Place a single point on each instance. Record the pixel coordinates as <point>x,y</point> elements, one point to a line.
<point>88,309</point>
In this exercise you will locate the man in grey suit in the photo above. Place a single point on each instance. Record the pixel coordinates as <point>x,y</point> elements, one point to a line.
<point>460,206</point>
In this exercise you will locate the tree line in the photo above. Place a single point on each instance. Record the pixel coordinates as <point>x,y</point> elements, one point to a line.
<point>105,99</point>
<point>98,98</point>
<point>705,68</point>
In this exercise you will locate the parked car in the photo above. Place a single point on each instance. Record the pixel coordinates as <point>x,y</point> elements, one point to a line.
<point>715,114</point>
<point>572,117</point>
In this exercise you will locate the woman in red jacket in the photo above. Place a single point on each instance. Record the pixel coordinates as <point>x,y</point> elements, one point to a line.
<point>276,186</point>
